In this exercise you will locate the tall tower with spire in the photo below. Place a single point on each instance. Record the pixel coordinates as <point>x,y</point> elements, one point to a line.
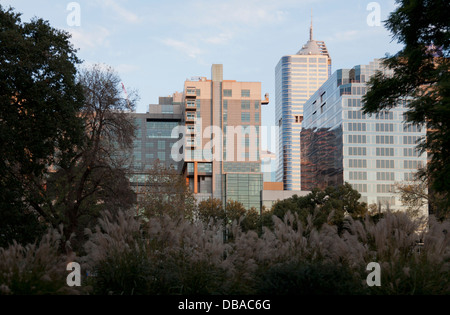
<point>297,78</point>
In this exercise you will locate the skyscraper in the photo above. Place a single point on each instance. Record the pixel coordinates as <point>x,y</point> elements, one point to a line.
<point>222,156</point>
<point>297,77</point>
<point>342,144</point>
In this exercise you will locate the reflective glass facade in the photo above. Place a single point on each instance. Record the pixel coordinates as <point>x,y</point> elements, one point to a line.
<point>340,144</point>
<point>297,77</point>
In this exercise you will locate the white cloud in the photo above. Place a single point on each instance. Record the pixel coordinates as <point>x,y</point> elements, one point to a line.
<point>89,39</point>
<point>183,46</point>
<point>121,13</point>
<point>220,39</point>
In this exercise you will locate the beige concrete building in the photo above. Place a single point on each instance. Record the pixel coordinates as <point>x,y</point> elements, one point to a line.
<point>222,151</point>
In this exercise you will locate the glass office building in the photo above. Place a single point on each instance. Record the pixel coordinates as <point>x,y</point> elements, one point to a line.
<point>341,144</point>
<point>297,77</point>
<point>154,140</point>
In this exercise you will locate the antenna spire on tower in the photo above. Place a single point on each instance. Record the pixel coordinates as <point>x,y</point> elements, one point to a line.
<point>311,29</point>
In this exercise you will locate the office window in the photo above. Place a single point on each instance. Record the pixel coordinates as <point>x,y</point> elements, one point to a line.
<point>356,115</point>
<point>411,128</point>
<point>356,163</point>
<point>245,105</point>
<point>353,102</point>
<point>361,188</point>
<point>357,127</point>
<point>385,163</point>
<point>386,176</point>
<point>385,139</point>
<point>411,139</point>
<point>156,129</point>
<point>383,127</point>
<point>162,156</point>
<point>245,93</point>
<point>412,164</point>
<point>357,139</point>
<point>410,152</point>
<point>257,117</point>
<point>384,115</point>
<point>227,93</point>
<point>358,175</point>
<point>385,188</point>
<point>161,145</point>
<point>385,151</point>
<point>256,104</point>
<point>245,117</point>
<point>357,151</point>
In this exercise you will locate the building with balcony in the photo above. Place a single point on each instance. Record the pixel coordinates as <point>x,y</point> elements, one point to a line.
<point>221,155</point>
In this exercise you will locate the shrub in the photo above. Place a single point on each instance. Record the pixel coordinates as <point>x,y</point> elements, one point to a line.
<point>35,269</point>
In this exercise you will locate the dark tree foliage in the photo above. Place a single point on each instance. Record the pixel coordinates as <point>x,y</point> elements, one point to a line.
<point>324,206</point>
<point>420,72</point>
<point>95,177</point>
<point>39,126</point>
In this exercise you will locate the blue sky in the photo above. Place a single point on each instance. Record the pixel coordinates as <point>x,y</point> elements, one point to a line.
<point>156,45</point>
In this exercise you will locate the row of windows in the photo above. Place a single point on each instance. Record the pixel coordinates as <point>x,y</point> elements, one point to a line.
<point>245,117</point>
<point>412,164</point>
<point>388,176</point>
<point>384,140</point>
<point>352,114</point>
<point>353,102</point>
<point>356,163</point>
<point>384,127</point>
<point>379,127</point>
<point>411,139</point>
<point>362,188</point>
<point>356,127</point>
<point>357,175</point>
<point>410,152</point>
<point>229,93</point>
<point>385,188</point>
<point>381,176</point>
<point>362,139</point>
<point>385,164</point>
<point>245,104</point>
<point>385,151</point>
<point>357,139</point>
<point>360,151</point>
<point>412,128</point>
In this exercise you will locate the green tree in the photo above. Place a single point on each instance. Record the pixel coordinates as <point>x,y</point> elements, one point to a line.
<point>213,211</point>
<point>40,99</point>
<point>94,179</point>
<point>420,75</point>
<point>330,205</point>
<point>166,193</point>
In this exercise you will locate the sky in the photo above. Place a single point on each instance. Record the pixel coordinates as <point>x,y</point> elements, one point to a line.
<point>156,45</point>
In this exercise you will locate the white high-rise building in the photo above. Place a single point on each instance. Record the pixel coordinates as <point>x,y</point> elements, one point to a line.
<point>297,78</point>
<point>371,152</point>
